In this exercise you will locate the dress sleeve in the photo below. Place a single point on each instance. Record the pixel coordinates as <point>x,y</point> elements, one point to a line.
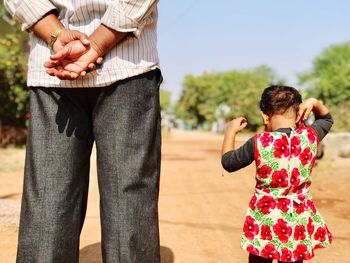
<point>322,125</point>
<point>237,159</point>
<point>28,12</point>
<point>129,15</point>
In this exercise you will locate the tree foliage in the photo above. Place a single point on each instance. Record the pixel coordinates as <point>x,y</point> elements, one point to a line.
<point>329,80</point>
<point>13,92</point>
<point>240,91</point>
<point>165,99</point>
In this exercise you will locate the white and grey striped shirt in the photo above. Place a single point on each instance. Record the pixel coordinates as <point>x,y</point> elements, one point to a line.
<point>133,56</point>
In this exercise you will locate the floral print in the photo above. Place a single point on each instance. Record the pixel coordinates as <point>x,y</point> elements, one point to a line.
<point>264,171</point>
<point>281,147</point>
<point>282,221</point>
<point>266,139</point>
<point>250,228</point>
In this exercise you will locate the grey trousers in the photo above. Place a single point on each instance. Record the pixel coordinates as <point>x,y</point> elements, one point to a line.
<point>124,122</point>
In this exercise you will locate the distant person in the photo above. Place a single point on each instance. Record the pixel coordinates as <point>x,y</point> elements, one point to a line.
<point>282,222</point>
<point>73,105</point>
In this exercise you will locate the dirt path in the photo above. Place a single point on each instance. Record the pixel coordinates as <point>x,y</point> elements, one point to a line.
<point>201,211</point>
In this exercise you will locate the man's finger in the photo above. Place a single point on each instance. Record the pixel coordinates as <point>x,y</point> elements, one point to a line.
<point>51,63</point>
<point>61,54</point>
<point>82,37</point>
<point>91,66</point>
<point>51,71</point>
<point>99,60</point>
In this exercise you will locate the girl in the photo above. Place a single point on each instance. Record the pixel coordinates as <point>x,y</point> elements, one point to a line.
<point>282,221</point>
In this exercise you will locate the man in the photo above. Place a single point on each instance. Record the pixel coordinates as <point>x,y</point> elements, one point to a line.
<point>74,104</point>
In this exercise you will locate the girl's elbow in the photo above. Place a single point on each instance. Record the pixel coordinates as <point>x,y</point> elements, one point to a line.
<point>227,167</point>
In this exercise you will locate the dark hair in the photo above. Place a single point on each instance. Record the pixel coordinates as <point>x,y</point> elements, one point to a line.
<point>278,99</point>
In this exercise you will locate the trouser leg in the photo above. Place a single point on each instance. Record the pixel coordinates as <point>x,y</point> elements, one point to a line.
<point>126,122</point>
<point>56,177</point>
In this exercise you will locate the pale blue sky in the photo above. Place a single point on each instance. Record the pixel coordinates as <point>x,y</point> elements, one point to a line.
<point>202,35</point>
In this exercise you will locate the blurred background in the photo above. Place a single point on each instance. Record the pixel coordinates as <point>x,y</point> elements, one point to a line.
<point>216,58</point>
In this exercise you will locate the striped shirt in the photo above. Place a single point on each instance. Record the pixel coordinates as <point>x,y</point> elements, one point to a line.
<point>133,56</point>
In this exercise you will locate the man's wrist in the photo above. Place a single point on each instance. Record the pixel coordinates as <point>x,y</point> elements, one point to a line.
<point>54,35</point>
<point>96,46</point>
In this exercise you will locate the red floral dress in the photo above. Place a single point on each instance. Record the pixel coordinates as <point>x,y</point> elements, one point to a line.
<point>282,221</point>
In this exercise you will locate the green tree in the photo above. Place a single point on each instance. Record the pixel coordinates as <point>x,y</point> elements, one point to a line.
<point>329,80</point>
<point>13,92</point>
<point>165,99</point>
<point>240,90</point>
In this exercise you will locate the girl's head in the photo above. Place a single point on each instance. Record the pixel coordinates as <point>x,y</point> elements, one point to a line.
<point>281,101</point>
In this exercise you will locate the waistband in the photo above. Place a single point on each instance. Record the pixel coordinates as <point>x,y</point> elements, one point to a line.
<point>291,197</point>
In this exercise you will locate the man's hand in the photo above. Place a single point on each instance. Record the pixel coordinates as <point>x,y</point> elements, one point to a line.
<point>66,36</point>
<point>69,46</point>
<point>68,65</point>
<point>72,61</point>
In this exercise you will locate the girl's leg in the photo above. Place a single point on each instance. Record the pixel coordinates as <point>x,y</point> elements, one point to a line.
<point>256,259</point>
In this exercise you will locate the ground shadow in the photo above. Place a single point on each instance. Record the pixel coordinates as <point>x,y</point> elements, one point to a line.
<point>9,196</point>
<point>92,254</point>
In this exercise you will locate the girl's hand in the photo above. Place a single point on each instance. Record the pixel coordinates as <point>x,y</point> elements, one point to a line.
<point>305,109</point>
<point>237,124</point>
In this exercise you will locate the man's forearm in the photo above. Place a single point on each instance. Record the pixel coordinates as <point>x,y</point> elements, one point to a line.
<point>45,26</point>
<point>105,38</point>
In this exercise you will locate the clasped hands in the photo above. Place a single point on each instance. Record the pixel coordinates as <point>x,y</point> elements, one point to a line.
<point>74,55</point>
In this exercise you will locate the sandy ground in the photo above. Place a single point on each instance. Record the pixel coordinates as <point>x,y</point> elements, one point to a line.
<point>201,208</point>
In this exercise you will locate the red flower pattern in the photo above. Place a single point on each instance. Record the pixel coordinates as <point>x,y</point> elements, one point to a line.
<point>306,156</point>
<point>252,202</point>
<point>281,147</point>
<point>330,237</point>
<point>311,205</point>
<point>265,233</point>
<point>250,228</point>
<point>299,232</point>
<point>295,147</point>
<point>266,139</point>
<point>301,252</point>
<point>285,182</point>
<point>283,204</point>
<point>279,179</point>
<point>266,204</point>
<point>299,208</point>
<point>264,171</point>
<point>311,136</point>
<point>252,249</point>
<point>295,178</point>
<point>283,230</point>
<point>321,234</point>
<point>310,226</point>
<point>286,255</point>
<point>258,161</point>
<point>270,252</point>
